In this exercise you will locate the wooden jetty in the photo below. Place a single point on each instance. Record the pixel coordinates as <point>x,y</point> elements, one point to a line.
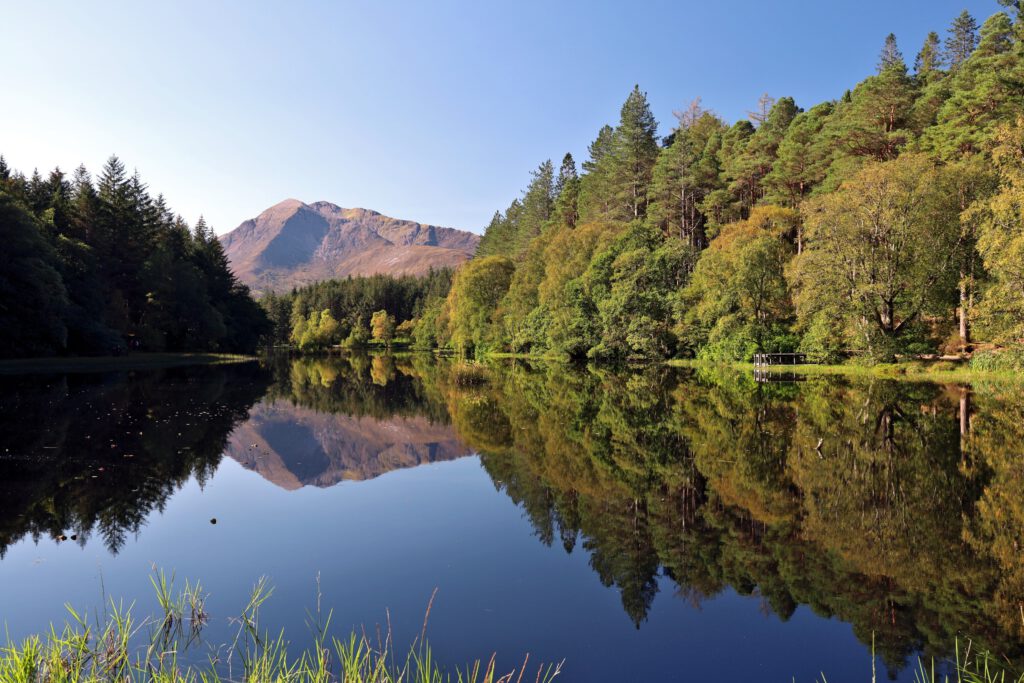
<point>765,359</point>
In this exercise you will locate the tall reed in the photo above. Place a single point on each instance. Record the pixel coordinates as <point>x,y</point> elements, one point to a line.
<point>116,647</point>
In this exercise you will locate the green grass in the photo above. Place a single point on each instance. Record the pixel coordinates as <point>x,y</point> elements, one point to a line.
<point>115,646</point>
<point>924,371</point>
<point>133,361</point>
<point>969,666</point>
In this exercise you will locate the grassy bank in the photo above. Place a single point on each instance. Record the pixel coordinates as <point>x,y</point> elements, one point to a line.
<point>945,372</point>
<point>134,361</point>
<point>168,647</point>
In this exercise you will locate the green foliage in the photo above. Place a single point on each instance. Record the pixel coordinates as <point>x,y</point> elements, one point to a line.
<point>1005,360</point>
<point>738,293</point>
<point>352,302</point>
<point>902,243</point>
<point>358,336</point>
<point>105,266</point>
<point>1000,221</point>
<point>880,253</point>
<point>382,326</point>
<point>115,645</point>
<point>476,290</point>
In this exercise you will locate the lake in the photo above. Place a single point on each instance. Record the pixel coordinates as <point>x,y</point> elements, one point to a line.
<point>641,524</point>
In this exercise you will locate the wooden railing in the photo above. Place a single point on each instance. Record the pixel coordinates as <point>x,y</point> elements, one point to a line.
<point>762,359</point>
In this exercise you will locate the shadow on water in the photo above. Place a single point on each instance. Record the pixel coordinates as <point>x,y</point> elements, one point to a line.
<point>895,507</point>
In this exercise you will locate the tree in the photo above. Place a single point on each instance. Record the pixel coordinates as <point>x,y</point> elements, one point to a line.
<point>32,295</point>
<point>567,193</point>
<point>686,172</point>
<point>130,274</point>
<point>880,253</point>
<point>929,59</point>
<point>1000,221</point>
<point>737,301</point>
<point>358,336</point>
<point>754,159</point>
<point>985,92</point>
<point>595,191</point>
<point>538,204</point>
<point>477,288</point>
<point>634,284</point>
<point>890,57</point>
<point>961,39</point>
<point>382,326</point>
<point>801,161</point>
<point>634,151</point>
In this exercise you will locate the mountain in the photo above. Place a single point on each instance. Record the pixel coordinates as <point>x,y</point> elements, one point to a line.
<point>292,447</point>
<point>293,243</point>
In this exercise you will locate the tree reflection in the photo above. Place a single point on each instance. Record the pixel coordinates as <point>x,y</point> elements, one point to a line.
<point>893,506</point>
<point>84,455</point>
<point>862,500</point>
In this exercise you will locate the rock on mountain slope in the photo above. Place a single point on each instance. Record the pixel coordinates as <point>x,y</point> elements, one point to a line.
<point>293,243</point>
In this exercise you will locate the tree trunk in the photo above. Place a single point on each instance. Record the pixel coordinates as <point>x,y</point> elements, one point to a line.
<point>962,312</point>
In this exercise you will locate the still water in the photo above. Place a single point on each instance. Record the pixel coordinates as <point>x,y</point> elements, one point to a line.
<point>645,524</point>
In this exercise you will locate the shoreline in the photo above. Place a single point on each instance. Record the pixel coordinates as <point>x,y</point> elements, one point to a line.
<point>135,361</point>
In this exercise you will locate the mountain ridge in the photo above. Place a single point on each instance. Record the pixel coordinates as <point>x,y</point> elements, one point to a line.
<point>293,243</point>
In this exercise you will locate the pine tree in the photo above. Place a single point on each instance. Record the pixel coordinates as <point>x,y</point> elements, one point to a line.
<point>84,206</point>
<point>961,40</point>
<point>748,169</point>
<point>985,91</point>
<point>595,192</point>
<point>685,173</point>
<point>801,161</point>
<point>764,106</point>
<point>5,171</point>
<point>566,174</point>
<point>929,59</point>
<point>567,193</point>
<point>538,205</point>
<point>891,57</point>
<point>635,150</point>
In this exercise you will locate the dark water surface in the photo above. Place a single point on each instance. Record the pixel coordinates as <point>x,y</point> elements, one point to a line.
<point>651,524</point>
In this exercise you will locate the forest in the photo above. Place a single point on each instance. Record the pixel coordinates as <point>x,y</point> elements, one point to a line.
<point>100,268</point>
<point>884,224</point>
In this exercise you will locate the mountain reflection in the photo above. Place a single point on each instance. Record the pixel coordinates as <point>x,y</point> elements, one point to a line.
<point>893,506</point>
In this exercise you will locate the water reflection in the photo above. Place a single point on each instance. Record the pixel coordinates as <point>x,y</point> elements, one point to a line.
<point>95,454</point>
<point>889,505</point>
<point>895,507</point>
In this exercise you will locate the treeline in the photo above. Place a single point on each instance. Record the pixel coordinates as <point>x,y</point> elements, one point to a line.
<point>357,309</point>
<point>885,222</point>
<point>103,267</point>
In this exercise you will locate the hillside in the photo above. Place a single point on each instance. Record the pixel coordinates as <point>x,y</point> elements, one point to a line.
<point>293,243</point>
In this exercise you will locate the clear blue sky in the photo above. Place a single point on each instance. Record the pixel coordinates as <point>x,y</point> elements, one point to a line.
<point>433,111</point>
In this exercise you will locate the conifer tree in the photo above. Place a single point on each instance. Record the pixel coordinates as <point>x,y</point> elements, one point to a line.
<point>961,39</point>
<point>891,57</point>
<point>801,161</point>
<point>685,173</point>
<point>567,192</point>
<point>537,206</point>
<point>929,58</point>
<point>595,192</point>
<point>634,151</point>
<point>985,91</point>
